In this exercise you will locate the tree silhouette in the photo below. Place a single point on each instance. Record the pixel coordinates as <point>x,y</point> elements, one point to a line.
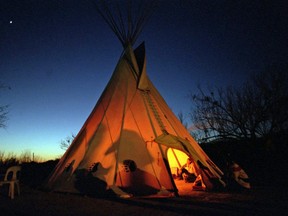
<point>257,109</point>
<point>3,109</point>
<point>64,144</point>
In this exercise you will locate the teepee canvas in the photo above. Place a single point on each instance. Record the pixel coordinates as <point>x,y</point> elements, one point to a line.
<point>126,143</point>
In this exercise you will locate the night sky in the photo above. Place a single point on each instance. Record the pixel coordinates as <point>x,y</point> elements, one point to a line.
<point>57,57</point>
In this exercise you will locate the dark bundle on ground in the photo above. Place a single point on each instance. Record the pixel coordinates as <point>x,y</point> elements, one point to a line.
<point>35,174</point>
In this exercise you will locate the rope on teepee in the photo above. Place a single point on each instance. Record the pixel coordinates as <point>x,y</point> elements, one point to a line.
<point>154,110</point>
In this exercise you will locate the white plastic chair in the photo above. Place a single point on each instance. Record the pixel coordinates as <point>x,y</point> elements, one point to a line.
<point>12,181</point>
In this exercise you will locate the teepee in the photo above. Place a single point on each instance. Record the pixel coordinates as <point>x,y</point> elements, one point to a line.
<point>131,140</point>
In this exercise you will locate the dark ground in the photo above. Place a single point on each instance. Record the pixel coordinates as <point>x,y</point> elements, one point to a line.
<point>268,195</point>
<point>259,201</point>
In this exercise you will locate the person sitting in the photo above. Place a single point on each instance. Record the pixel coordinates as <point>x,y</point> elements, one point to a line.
<point>188,171</point>
<point>237,174</point>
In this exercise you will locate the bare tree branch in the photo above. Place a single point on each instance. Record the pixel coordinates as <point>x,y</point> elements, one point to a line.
<point>3,109</point>
<point>257,109</point>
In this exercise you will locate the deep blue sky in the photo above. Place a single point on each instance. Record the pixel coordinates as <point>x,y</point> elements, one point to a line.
<point>57,57</point>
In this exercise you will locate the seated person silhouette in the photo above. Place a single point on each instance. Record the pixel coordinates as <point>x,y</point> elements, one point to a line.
<point>188,171</point>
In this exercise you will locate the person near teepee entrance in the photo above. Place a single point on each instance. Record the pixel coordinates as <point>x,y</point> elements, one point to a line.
<point>188,171</point>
